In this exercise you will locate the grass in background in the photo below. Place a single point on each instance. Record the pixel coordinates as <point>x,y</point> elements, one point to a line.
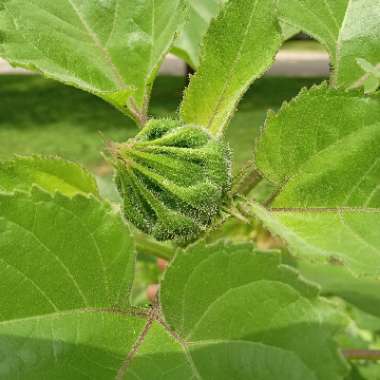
<point>42,116</point>
<point>304,46</point>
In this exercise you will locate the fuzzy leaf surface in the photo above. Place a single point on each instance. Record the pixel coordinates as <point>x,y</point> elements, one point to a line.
<point>337,280</point>
<point>327,165</point>
<point>188,45</point>
<point>237,305</point>
<point>342,237</point>
<point>50,173</point>
<point>110,48</point>
<point>238,47</point>
<point>66,272</point>
<point>321,157</point>
<point>349,29</point>
<point>79,326</point>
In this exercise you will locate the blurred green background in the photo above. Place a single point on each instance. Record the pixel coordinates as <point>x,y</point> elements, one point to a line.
<point>41,116</point>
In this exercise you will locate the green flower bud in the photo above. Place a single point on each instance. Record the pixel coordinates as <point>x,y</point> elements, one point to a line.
<point>173,179</point>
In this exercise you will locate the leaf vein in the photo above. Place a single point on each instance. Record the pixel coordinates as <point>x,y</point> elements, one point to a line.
<point>103,50</point>
<point>26,277</point>
<point>232,69</point>
<point>56,257</point>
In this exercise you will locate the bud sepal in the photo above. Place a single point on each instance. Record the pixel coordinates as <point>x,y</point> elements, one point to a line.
<point>173,179</point>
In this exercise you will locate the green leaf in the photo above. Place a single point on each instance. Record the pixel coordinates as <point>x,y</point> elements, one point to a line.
<point>320,19</point>
<point>50,173</point>
<point>346,237</point>
<point>68,314</point>
<point>367,371</point>
<point>238,48</point>
<point>359,38</point>
<point>337,280</point>
<point>77,344</point>
<point>308,143</point>
<point>110,48</point>
<point>349,29</point>
<point>365,65</point>
<point>371,84</point>
<point>327,165</point>
<point>188,45</point>
<point>66,273</point>
<point>288,30</point>
<point>371,79</point>
<point>355,374</point>
<point>230,298</point>
<point>68,252</point>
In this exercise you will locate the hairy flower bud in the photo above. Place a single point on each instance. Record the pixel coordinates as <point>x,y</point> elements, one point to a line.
<point>173,179</point>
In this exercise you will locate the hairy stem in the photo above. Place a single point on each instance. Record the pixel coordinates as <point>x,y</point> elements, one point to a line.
<point>148,246</point>
<point>356,354</point>
<point>248,180</point>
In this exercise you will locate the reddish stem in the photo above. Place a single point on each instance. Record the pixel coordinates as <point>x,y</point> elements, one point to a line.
<point>354,354</point>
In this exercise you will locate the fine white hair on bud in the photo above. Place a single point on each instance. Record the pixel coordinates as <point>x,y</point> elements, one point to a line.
<point>173,179</point>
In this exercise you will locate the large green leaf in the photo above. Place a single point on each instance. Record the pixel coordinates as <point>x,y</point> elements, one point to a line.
<point>346,237</point>
<point>67,253</point>
<point>66,275</point>
<point>66,271</point>
<point>239,46</point>
<point>349,29</point>
<point>327,166</point>
<point>110,48</point>
<point>188,45</point>
<point>239,308</point>
<point>323,136</point>
<point>50,173</point>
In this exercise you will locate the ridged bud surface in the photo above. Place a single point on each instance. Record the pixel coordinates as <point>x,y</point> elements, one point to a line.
<point>173,179</point>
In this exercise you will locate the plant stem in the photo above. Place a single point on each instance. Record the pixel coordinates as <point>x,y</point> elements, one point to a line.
<point>148,246</point>
<point>248,181</point>
<point>356,354</point>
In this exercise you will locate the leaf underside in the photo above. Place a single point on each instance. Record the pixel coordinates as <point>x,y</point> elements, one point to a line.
<point>116,59</point>
<point>349,29</point>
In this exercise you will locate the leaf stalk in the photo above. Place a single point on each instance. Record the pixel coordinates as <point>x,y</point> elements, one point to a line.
<point>148,246</point>
<point>357,354</point>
